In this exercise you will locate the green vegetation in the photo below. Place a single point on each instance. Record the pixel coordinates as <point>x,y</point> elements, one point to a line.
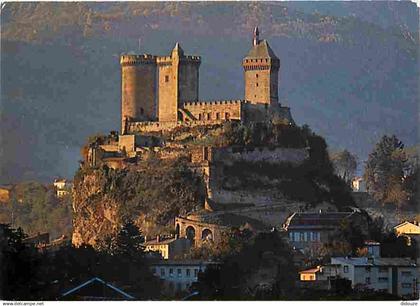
<point>350,237</point>
<point>272,134</point>
<point>313,181</point>
<point>390,176</point>
<point>239,276</point>
<point>345,165</point>
<point>35,208</point>
<point>30,275</point>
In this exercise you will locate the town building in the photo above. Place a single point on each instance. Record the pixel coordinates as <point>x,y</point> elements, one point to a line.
<point>37,240</point>
<point>358,184</point>
<point>407,228</point>
<point>206,225</point>
<point>95,289</point>
<point>179,275</point>
<point>5,193</point>
<point>308,231</point>
<point>319,273</point>
<point>62,187</point>
<point>396,276</point>
<point>168,247</point>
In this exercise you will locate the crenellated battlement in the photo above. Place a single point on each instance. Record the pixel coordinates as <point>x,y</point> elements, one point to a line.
<point>260,63</point>
<point>161,92</point>
<point>167,60</point>
<point>137,59</point>
<point>216,102</point>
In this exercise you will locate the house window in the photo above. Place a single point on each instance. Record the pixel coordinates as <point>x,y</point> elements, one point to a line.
<point>383,279</point>
<point>302,237</point>
<point>291,236</point>
<point>162,272</point>
<point>166,78</point>
<point>179,272</point>
<point>368,280</point>
<point>171,272</point>
<point>187,272</point>
<point>346,269</point>
<point>405,285</point>
<point>195,272</point>
<point>257,84</point>
<point>311,277</point>
<point>406,273</point>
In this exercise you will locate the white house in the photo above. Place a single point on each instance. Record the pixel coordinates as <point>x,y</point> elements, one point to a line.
<point>358,184</point>
<point>393,275</point>
<point>62,187</point>
<point>178,275</point>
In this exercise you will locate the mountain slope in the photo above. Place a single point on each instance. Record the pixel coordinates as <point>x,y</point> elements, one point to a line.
<point>351,77</point>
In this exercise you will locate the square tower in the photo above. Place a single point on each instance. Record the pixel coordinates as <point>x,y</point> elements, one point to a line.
<point>261,70</point>
<point>177,83</point>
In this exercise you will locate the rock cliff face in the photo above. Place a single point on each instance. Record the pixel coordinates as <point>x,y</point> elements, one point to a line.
<point>96,214</point>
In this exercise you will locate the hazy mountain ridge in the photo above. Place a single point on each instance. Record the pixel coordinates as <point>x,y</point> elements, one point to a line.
<point>60,71</point>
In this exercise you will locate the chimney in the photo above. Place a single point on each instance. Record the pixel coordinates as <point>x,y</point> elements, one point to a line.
<point>158,238</point>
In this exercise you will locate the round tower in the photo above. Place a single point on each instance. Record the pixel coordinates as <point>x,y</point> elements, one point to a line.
<point>138,89</point>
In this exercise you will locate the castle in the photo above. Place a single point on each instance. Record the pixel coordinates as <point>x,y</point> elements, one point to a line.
<point>159,91</point>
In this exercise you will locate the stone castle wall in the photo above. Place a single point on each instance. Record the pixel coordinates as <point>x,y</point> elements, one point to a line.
<point>274,156</point>
<point>168,91</point>
<point>214,111</point>
<point>261,80</point>
<point>138,88</point>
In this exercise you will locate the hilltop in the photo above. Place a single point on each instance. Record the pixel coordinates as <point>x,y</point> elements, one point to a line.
<point>350,76</point>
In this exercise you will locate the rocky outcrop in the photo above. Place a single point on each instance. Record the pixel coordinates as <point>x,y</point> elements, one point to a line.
<point>95,214</point>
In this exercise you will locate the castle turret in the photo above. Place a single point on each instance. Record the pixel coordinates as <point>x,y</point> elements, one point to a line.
<point>138,88</point>
<point>261,69</point>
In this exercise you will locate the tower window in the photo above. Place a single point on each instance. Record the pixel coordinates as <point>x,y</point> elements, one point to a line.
<point>166,78</point>
<point>257,84</point>
<point>209,116</point>
<point>227,116</point>
<point>199,117</point>
<point>218,116</point>
<point>256,75</point>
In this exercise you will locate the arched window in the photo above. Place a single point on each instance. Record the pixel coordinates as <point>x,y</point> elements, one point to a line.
<point>190,232</point>
<point>177,229</point>
<point>207,234</point>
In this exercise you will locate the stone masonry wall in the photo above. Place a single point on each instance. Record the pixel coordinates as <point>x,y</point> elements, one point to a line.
<point>215,110</point>
<point>274,156</point>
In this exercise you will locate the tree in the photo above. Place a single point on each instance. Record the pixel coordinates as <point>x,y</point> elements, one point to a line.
<point>384,171</point>
<point>262,269</point>
<point>345,164</point>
